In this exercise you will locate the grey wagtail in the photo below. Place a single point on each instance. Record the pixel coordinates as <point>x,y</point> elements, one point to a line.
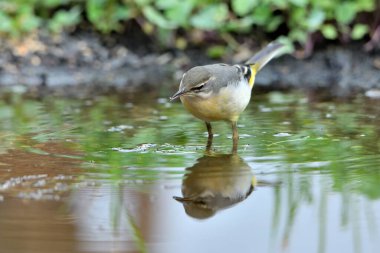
<point>214,183</point>
<point>221,91</point>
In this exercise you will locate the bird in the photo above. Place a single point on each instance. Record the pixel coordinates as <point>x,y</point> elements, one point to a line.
<point>215,182</point>
<point>221,92</point>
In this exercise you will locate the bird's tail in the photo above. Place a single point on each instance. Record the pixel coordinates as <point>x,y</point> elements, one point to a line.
<point>259,60</point>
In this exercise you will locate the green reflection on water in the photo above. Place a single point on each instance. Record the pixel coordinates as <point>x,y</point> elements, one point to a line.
<point>281,134</point>
<point>114,136</point>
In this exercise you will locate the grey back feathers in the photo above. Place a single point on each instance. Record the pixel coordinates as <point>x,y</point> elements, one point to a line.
<point>216,76</point>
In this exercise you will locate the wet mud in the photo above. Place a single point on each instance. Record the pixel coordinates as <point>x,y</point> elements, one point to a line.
<point>84,65</point>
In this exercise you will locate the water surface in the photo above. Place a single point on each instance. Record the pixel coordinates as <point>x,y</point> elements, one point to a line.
<point>131,174</point>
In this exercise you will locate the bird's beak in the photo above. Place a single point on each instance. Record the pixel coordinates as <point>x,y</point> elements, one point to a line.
<point>184,200</point>
<point>178,94</point>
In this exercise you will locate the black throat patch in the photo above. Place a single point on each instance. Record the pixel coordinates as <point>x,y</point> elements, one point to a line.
<point>246,70</point>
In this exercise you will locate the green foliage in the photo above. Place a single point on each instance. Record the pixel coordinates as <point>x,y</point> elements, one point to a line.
<point>216,51</point>
<point>212,17</point>
<point>63,18</point>
<point>358,31</point>
<point>106,15</point>
<point>329,31</point>
<point>298,19</point>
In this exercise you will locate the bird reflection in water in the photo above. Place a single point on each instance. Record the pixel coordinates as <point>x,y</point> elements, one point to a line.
<point>216,182</point>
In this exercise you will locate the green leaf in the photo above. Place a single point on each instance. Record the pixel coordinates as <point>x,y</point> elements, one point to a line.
<point>123,13</point>
<point>297,18</point>
<point>210,18</point>
<point>179,13</point>
<point>323,4</point>
<point>106,15</point>
<point>143,3</point>
<point>300,3</point>
<point>329,32</point>
<point>298,35</point>
<point>345,12</point>
<point>167,4</point>
<point>273,24</point>
<point>243,7</point>
<point>157,18</point>
<point>53,3</point>
<point>281,4</point>
<point>95,11</point>
<point>315,19</point>
<point>241,25</point>
<point>26,20</point>
<point>365,5</point>
<point>64,19</point>
<point>5,23</point>
<point>359,31</point>
<point>261,14</point>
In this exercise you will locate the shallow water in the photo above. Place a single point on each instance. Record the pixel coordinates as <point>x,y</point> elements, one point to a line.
<point>131,175</point>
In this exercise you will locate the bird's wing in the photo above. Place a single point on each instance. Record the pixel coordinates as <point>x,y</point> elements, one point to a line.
<point>224,74</point>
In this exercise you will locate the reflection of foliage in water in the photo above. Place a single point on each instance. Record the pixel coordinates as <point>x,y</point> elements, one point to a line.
<point>338,139</point>
<point>343,138</point>
<point>124,141</point>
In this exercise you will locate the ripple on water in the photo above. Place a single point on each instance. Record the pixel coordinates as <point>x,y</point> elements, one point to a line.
<point>165,148</point>
<point>140,148</point>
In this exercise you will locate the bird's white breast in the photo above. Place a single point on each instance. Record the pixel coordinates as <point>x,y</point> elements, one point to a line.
<point>226,104</point>
<point>235,98</point>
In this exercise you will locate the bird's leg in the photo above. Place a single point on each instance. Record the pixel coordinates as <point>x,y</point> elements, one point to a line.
<point>235,137</point>
<point>210,136</point>
<point>209,130</point>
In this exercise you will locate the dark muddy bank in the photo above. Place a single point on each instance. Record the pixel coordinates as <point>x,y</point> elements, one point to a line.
<point>85,65</point>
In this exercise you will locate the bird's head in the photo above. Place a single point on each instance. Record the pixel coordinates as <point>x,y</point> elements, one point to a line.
<point>196,83</point>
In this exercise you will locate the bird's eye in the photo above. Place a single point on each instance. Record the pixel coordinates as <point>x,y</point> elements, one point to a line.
<point>197,88</point>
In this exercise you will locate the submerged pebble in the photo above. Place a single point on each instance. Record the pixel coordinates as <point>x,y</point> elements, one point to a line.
<point>63,177</point>
<point>162,100</point>
<point>265,109</point>
<point>61,187</point>
<point>373,94</point>
<point>119,128</point>
<point>19,180</point>
<point>128,105</point>
<point>40,183</point>
<point>39,195</point>
<point>282,135</point>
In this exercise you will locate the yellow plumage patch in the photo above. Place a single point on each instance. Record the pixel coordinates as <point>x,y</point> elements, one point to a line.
<point>254,68</point>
